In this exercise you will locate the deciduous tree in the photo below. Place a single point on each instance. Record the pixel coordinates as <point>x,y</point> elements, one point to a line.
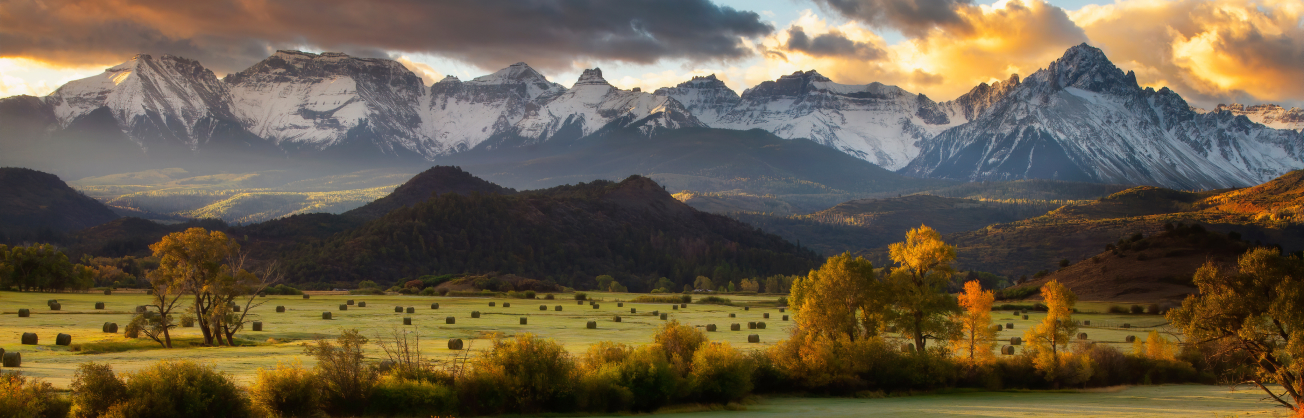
<point>1256,311</point>
<point>191,262</point>
<point>841,298</point>
<point>1049,340</point>
<point>974,344</point>
<point>921,306</point>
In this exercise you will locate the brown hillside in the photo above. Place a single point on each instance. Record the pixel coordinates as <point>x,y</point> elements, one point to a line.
<point>1156,269</point>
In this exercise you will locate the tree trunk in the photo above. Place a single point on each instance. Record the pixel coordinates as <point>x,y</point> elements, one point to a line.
<point>919,331</point>
<point>201,316</point>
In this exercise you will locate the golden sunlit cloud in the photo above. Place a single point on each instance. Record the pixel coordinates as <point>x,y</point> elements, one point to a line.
<point>425,71</point>
<point>1207,50</point>
<point>35,78</point>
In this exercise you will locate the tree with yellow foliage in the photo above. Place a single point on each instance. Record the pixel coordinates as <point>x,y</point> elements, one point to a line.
<point>1254,310</point>
<point>830,298</point>
<point>1049,340</point>
<point>1155,347</point>
<point>974,344</point>
<point>921,307</point>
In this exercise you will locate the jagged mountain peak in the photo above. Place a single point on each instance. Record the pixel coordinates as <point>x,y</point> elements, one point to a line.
<point>287,65</point>
<point>1085,67</point>
<point>449,79</point>
<point>513,74</point>
<point>592,77</point>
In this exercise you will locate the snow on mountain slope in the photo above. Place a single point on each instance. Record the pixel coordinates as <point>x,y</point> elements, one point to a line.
<point>320,100</point>
<point>878,123</point>
<point>592,104</point>
<point>1083,119</point>
<point>170,97</point>
<point>460,115</point>
<point>1270,115</point>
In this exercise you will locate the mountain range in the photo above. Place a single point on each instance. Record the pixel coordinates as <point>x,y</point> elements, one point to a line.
<point>1081,119</point>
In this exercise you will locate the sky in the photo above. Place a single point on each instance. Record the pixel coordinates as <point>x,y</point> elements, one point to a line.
<point>1209,51</point>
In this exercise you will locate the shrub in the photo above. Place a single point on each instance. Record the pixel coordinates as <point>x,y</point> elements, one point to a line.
<point>172,388</point>
<point>538,373</point>
<point>21,396</point>
<point>529,294</point>
<point>664,299</point>
<point>1154,309</point>
<point>647,373</point>
<point>1017,292</point>
<point>1138,309</point>
<point>714,300</point>
<point>282,289</point>
<point>679,341</point>
<point>721,373</point>
<point>286,391</point>
<point>603,353</point>
<point>1115,309</point>
<point>367,291</point>
<point>95,388</point>
<point>429,291</point>
<point>345,380</point>
<point>394,395</point>
<point>581,296</point>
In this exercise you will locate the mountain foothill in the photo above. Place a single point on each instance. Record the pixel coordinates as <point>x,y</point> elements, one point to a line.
<point>323,163</point>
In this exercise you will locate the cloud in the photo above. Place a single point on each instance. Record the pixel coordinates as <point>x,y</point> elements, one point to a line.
<point>833,43</point>
<point>912,17</point>
<point>1210,51</point>
<point>426,72</point>
<point>229,35</point>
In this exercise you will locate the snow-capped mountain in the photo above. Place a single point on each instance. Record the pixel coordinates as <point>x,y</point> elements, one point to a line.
<point>1270,115</point>
<point>1081,118</point>
<point>316,101</point>
<point>170,99</point>
<point>878,123</point>
<point>461,115</point>
<point>593,104</point>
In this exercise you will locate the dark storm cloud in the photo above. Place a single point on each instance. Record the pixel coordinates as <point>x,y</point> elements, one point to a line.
<point>831,44</point>
<point>912,17</point>
<point>228,35</point>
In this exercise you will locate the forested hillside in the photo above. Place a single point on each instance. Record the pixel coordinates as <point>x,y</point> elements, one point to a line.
<point>36,206</point>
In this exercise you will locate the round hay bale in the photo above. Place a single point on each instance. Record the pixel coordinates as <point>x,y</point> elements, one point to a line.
<point>1009,325</point>
<point>751,325</point>
<point>411,309</point>
<point>1130,338</point>
<point>13,360</point>
<point>620,304</point>
<point>733,315</point>
<point>785,317</point>
<point>24,313</point>
<point>51,302</point>
<point>55,306</point>
<point>524,321</point>
<point>362,304</point>
<point>595,306</point>
<point>579,302</point>
<point>258,325</point>
<point>29,338</point>
<point>280,309</point>
<point>455,344</point>
<point>434,306</point>
<point>99,305</point>
<point>1082,335</point>
<point>674,307</point>
<point>407,320</point>
<point>1007,350</point>
<point>683,305</point>
<point>557,308</point>
<point>325,315</point>
<point>450,320</point>
<point>760,325</point>
<point>398,309</point>
<point>1086,323</point>
<point>1016,341</point>
<point>781,310</point>
<point>349,302</point>
<point>108,292</point>
<point>655,313</point>
<point>592,325</point>
<point>665,316</point>
<point>735,327</point>
<point>1025,317</point>
<point>475,314</point>
<point>344,307</point>
<point>615,318</point>
<point>765,315</point>
<point>491,304</point>
<point>543,307</point>
<point>753,338</point>
<point>1127,325</point>
<point>747,308</point>
<point>62,339</point>
<point>109,326</point>
<point>507,304</point>
<point>306,296</point>
<point>710,327</point>
<point>633,310</point>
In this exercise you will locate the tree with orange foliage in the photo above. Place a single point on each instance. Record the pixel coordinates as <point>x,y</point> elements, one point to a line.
<point>974,344</point>
<point>1049,340</point>
<point>921,307</point>
<point>1156,347</point>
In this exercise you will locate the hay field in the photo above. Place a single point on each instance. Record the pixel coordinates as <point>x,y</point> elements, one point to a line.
<point>283,334</point>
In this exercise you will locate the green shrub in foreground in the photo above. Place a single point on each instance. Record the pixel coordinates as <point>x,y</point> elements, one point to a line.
<point>177,388</point>
<point>95,388</point>
<point>721,373</point>
<point>286,391</point>
<point>22,396</point>
<point>397,396</point>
